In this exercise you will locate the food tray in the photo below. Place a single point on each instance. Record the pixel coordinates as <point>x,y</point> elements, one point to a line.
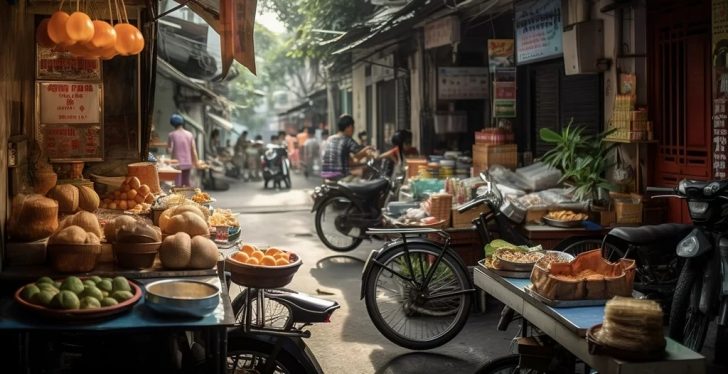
<point>506,273</point>
<point>562,303</point>
<point>597,348</point>
<point>514,266</point>
<point>263,277</point>
<point>81,314</point>
<point>563,224</point>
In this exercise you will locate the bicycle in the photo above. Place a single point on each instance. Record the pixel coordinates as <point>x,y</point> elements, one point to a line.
<point>270,326</point>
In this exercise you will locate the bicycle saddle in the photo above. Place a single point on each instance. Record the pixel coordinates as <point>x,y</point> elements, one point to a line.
<point>644,235</point>
<point>305,308</point>
<point>366,187</point>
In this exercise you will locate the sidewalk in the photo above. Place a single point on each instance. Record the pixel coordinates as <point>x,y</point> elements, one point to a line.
<point>250,197</point>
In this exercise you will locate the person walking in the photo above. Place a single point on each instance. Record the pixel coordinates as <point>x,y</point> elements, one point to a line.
<point>240,153</point>
<point>181,146</point>
<point>340,148</point>
<point>311,153</point>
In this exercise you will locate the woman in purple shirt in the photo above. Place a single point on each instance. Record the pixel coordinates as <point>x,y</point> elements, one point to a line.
<point>181,145</point>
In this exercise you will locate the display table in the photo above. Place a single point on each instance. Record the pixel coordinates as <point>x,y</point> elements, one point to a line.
<point>568,327</point>
<point>13,318</point>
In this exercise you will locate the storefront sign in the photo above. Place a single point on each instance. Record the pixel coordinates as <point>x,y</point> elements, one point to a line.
<point>444,31</point>
<point>462,83</point>
<point>500,53</point>
<point>52,65</point>
<point>538,30</point>
<point>720,138</point>
<point>73,142</point>
<point>69,102</point>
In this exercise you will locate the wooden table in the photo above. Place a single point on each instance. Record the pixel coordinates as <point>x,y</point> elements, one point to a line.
<point>568,327</point>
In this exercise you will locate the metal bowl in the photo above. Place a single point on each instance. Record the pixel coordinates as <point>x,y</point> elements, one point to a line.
<point>182,297</point>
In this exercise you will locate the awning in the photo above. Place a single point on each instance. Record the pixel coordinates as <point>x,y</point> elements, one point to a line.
<point>167,70</point>
<point>234,20</point>
<point>193,123</point>
<point>221,122</point>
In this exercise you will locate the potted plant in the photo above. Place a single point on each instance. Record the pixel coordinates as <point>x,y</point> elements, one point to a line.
<point>581,158</point>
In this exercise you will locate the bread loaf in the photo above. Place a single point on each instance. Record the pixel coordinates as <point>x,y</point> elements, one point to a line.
<point>67,197</point>
<point>86,220</point>
<point>70,235</point>
<point>88,199</point>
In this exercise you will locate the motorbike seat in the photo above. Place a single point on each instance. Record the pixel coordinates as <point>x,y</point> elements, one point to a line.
<point>366,187</point>
<point>646,235</point>
<point>305,308</point>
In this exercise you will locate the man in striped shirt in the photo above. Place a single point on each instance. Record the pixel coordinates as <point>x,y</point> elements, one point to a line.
<point>340,148</point>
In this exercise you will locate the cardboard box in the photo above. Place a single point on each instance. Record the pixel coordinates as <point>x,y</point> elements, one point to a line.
<point>462,220</point>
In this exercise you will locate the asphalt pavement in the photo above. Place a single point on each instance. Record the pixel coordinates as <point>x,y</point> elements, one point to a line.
<point>350,343</point>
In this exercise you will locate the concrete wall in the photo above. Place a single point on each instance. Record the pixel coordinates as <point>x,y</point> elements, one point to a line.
<point>358,93</point>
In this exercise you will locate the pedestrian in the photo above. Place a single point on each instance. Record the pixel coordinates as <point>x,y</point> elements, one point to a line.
<point>213,145</point>
<point>240,154</point>
<point>252,154</point>
<point>291,142</point>
<point>363,138</point>
<point>181,146</point>
<point>311,153</point>
<point>340,148</point>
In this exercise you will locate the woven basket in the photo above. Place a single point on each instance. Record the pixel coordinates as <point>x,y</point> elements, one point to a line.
<point>441,207</point>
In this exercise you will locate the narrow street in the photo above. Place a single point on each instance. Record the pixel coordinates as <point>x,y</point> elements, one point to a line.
<point>350,344</point>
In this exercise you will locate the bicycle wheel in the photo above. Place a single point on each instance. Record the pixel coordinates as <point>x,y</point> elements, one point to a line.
<point>332,226</point>
<point>501,365</point>
<point>277,315</point>
<point>413,316</point>
<point>247,355</point>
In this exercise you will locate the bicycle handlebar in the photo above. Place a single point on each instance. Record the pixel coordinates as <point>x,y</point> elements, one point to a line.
<point>665,190</point>
<point>470,204</point>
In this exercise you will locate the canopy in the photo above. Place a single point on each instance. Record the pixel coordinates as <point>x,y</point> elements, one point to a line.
<point>221,122</point>
<point>234,20</point>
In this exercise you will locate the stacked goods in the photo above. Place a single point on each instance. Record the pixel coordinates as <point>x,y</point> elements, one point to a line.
<point>180,251</point>
<point>33,217</point>
<point>132,195</point>
<point>71,198</point>
<point>632,325</point>
<point>272,268</point>
<point>627,123</point>
<point>73,249</point>
<point>589,276</point>
<point>184,218</point>
<point>487,155</point>
<point>135,243</point>
<point>74,293</point>
<point>85,220</point>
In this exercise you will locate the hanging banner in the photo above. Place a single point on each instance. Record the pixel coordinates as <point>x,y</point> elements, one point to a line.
<point>69,102</point>
<point>538,30</point>
<point>456,83</point>
<point>500,53</point>
<point>237,23</point>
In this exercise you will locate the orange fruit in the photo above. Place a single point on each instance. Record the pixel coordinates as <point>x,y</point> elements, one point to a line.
<point>258,255</point>
<point>240,257</point>
<point>272,251</point>
<point>79,27</point>
<point>41,34</point>
<point>268,261</point>
<point>252,261</point>
<point>249,249</point>
<point>283,255</point>
<point>281,261</point>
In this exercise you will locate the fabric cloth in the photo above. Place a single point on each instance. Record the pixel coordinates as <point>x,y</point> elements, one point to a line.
<point>181,143</point>
<point>183,179</point>
<point>336,156</point>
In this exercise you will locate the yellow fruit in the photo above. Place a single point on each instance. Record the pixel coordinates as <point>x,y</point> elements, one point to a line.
<point>252,261</point>
<point>240,257</point>
<point>248,249</point>
<point>131,194</point>
<point>272,251</point>
<point>258,255</point>
<point>124,196</point>
<point>281,262</point>
<point>122,205</point>
<point>268,261</point>
<point>283,255</point>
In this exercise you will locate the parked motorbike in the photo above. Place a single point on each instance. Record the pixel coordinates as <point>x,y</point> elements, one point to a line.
<point>701,292</point>
<point>344,211</point>
<point>276,166</point>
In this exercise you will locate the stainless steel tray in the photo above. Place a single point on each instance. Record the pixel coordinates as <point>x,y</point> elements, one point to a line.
<point>562,303</point>
<point>563,224</point>
<point>507,273</point>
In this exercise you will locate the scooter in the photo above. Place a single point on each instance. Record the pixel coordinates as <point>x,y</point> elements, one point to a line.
<point>344,211</point>
<point>701,292</point>
<point>276,166</point>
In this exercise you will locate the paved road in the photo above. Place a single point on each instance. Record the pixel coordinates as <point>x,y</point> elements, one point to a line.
<point>350,343</point>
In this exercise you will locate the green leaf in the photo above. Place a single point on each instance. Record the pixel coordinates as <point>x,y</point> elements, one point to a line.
<point>549,136</point>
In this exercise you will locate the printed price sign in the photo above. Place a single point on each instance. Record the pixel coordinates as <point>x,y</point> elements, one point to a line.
<point>69,102</point>
<point>52,64</point>
<point>73,142</point>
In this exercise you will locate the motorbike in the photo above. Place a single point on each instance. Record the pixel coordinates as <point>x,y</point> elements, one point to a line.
<point>344,211</point>
<point>701,292</point>
<point>276,166</point>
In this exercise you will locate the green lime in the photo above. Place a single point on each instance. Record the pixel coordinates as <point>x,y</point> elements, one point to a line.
<point>95,279</point>
<point>66,300</point>
<point>108,301</point>
<point>105,293</point>
<point>89,302</point>
<point>44,280</point>
<point>122,295</point>
<point>29,291</point>
<point>47,287</point>
<point>57,284</point>
<point>121,284</point>
<point>72,284</point>
<point>105,285</point>
<point>89,282</point>
<point>43,298</point>
<point>92,291</point>
<point>107,279</point>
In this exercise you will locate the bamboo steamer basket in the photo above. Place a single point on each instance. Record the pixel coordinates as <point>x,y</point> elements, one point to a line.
<point>73,258</point>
